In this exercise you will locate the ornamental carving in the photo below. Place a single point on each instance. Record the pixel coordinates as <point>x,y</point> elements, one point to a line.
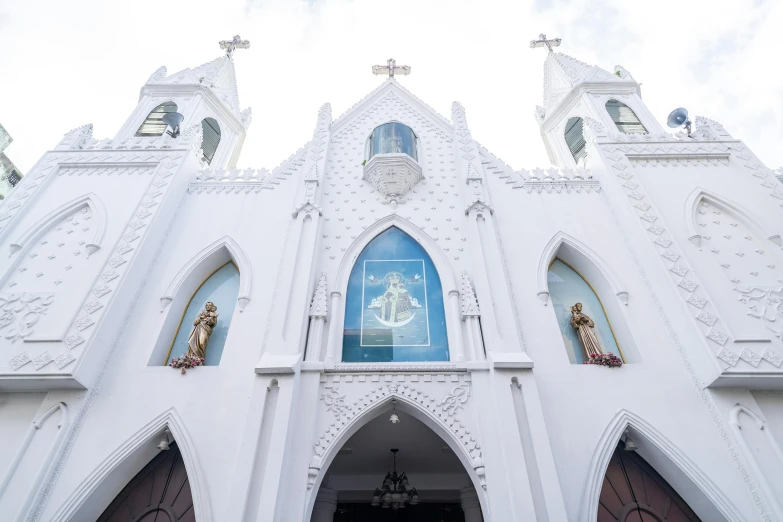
<point>19,313</point>
<point>393,175</point>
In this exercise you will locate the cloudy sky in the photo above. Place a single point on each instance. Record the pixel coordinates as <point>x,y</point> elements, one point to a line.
<point>67,63</point>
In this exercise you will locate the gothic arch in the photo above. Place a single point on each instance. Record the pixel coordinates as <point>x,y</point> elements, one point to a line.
<point>33,429</point>
<point>111,475</point>
<point>576,251</point>
<point>750,220</point>
<point>320,465</point>
<point>709,502</point>
<point>208,260</point>
<point>440,261</point>
<point>42,225</point>
<point>445,273</point>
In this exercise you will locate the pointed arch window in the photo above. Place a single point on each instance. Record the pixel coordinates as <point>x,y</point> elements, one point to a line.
<point>392,138</point>
<point>222,289</point>
<point>624,118</point>
<point>153,125</point>
<point>566,288</point>
<point>575,138</point>
<point>633,491</point>
<point>158,493</point>
<point>394,304</point>
<point>211,138</point>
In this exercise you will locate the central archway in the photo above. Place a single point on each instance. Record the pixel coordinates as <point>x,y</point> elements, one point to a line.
<point>357,462</point>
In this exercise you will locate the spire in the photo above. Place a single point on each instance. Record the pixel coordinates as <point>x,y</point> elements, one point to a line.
<point>562,73</point>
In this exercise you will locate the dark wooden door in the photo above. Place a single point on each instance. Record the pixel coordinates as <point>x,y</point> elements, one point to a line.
<point>634,492</point>
<point>158,493</point>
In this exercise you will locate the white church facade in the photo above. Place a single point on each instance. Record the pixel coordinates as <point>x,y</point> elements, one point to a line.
<point>182,340</point>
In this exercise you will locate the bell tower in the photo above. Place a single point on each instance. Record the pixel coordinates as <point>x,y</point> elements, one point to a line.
<point>578,97</point>
<point>206,94</point>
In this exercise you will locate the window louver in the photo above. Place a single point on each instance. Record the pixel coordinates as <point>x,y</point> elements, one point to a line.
<point>153,125</point>
<point>211,138</point>
<point>575,138</point>
<point>625,119</point>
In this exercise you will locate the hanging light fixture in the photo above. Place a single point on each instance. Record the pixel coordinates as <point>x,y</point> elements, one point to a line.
<point>394,419</point>
<point>395,492</point>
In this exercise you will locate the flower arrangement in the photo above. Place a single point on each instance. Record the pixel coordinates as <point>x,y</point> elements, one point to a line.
<point>186,361</point>
<point>609,360</point>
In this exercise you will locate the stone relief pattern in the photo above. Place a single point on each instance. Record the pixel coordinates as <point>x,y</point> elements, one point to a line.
<point>35,280</point>
<point>29,184</point>
<point>345,193</point>
<point>119,260</point>
<point>69,440</point>
<point>615,156</point>
<point>444,398</point>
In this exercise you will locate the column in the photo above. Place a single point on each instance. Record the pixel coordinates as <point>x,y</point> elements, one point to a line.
<point>456,339</point>
<point>470,505</point>
<point>325,506</point>
<point>335,335</point>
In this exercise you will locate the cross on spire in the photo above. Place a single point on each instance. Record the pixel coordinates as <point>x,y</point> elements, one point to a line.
<point>391,68</point>
<point>236,43</point>
<point>543,42</point>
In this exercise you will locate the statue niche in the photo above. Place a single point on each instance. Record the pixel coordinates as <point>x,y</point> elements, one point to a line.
<point>584,328</point>
<point>205,321</point>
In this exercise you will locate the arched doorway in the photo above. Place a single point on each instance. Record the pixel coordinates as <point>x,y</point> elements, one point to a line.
<point>444,489</point>
<point>633,491</point>
<point>158,493</point>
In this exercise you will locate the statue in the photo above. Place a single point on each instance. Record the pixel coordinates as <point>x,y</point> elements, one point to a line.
<point>202,329</point>
<point>584,327</point>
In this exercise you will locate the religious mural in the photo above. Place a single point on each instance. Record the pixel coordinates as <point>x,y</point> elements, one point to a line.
<point>394,306</point>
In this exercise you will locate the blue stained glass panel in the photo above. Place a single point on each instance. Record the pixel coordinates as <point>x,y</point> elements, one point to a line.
<point>222,289</point>
<point>566,288</point>
<point>394,306</point>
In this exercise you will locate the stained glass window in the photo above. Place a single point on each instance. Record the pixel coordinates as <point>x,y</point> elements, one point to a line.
<point>392,138</point>
<point>222,289</point>
<point>394,304</point>
<point>153,125</point>
<point>566,288</point>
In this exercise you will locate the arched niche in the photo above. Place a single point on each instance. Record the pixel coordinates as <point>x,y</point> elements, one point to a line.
<point>383,407</point>
<point>392,138</point>
<point>600,280</point>
<point>681,474</point>
<point>101,486</point>
<point>394,304</point>
<point>153,124</point>
<point>182,290</point>
<point>624,118</point>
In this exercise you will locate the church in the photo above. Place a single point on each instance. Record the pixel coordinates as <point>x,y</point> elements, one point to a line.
<point>393,324</point>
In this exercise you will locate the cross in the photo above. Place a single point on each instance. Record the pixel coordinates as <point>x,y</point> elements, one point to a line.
<point>236,43</point>
<point>543,42</point>
<point>390,68</point>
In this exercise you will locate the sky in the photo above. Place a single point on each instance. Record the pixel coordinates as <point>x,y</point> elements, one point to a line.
<point>65,64</point>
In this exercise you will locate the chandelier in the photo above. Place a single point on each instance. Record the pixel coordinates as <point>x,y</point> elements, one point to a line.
<point>394,493</point>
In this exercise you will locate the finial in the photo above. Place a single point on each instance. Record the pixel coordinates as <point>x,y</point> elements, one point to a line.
<point>236,43</point>
<point>543,42</point>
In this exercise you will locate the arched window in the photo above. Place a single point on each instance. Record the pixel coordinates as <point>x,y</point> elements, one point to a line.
<point>153,125</point>
<point>392,138</point>
<point>633,491</point>
<point>566,288</point>
<point>626,120</point>
<point>575,138</point>
<point>211,138</point>
<point>222,289</point>
<point>158,493</point>
<point>394,304</point>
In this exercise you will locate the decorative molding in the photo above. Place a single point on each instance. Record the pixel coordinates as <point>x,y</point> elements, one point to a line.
<point>319,304</point>
<point>393,175</point>
<point>469,304</point>
<point>158,76</point>
<point>392,367</point>
<point>76,138</point>
<point>237,255</point>
<point>20,314</point>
